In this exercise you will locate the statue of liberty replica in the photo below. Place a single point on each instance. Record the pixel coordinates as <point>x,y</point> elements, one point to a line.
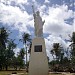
<point>38,24</point>
<point>38,64</point>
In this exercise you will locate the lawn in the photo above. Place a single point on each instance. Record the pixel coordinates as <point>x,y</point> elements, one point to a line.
<point>9,72</point>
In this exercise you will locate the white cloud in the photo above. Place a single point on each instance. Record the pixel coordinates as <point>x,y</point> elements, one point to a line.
<point>74,24</point>
<point>13,16</point>
<point>42,9</point>
<point>55,20</point>
<point>74,3</point>
<point>54,39</point>
<point>49,43</point>
<point>15,1</point>
<point>56,26</point>
<point>47,1</point>
<point>22,1</point>
<point>48,48</point>
<point>33,0</point>
<point>74,21</point>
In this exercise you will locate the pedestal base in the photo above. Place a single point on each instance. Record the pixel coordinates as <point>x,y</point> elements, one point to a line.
<point>38,64</point>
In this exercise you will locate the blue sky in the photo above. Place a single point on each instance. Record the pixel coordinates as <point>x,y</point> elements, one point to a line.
<point>17,16</point>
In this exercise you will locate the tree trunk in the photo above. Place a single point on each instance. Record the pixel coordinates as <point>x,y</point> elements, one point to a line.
<point>0,67</point>
<point>26,58</point>
<point>6,67</point>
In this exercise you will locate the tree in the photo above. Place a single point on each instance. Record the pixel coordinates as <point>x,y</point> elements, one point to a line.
<point>22,53</point>
<point>26,39</point>
<point>18,61</point>
<point>9,54</point>
<point>3,40</point>
<point>15,62</point>
<point>52,52</point>
<point>29,51</point>
<point>20,58</point>
<point>58,51</point>
<point>3,37</point>
<point>72,45</point>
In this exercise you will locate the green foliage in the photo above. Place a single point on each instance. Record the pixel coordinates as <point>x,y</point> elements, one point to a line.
<point>6,49</point>
<point>9,54</point>
<point>18,62</point>
<point>64,63</point>
<point>8,58</point>
<point>58,51</point>
<point>21,53</point>
<point>3,41</point>
<point>3,37</point>
<point>26,40</point>
<point>72,45</point>
<point>20,57</point>
<point>73,37</point>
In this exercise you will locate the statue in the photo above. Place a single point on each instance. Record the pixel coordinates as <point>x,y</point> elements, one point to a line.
<point>38,23</point>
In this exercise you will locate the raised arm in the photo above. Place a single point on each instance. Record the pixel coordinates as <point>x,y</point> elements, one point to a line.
<point>33,9</point>
<point>34,14</point>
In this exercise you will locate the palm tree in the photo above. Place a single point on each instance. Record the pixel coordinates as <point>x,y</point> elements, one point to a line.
<point>29,51</point>
<point>26,39</point>
<point>52,52</point>
<point>55,50</point>
<point>22,53</point>
<point>58,51</point>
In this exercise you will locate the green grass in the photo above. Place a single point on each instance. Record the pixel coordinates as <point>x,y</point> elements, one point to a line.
<point>9,72</point>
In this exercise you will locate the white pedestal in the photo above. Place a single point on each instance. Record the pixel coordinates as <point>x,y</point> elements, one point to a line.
<point>38,64</point>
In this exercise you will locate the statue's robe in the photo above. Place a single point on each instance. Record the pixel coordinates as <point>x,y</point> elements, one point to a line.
<point>38,25</point>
